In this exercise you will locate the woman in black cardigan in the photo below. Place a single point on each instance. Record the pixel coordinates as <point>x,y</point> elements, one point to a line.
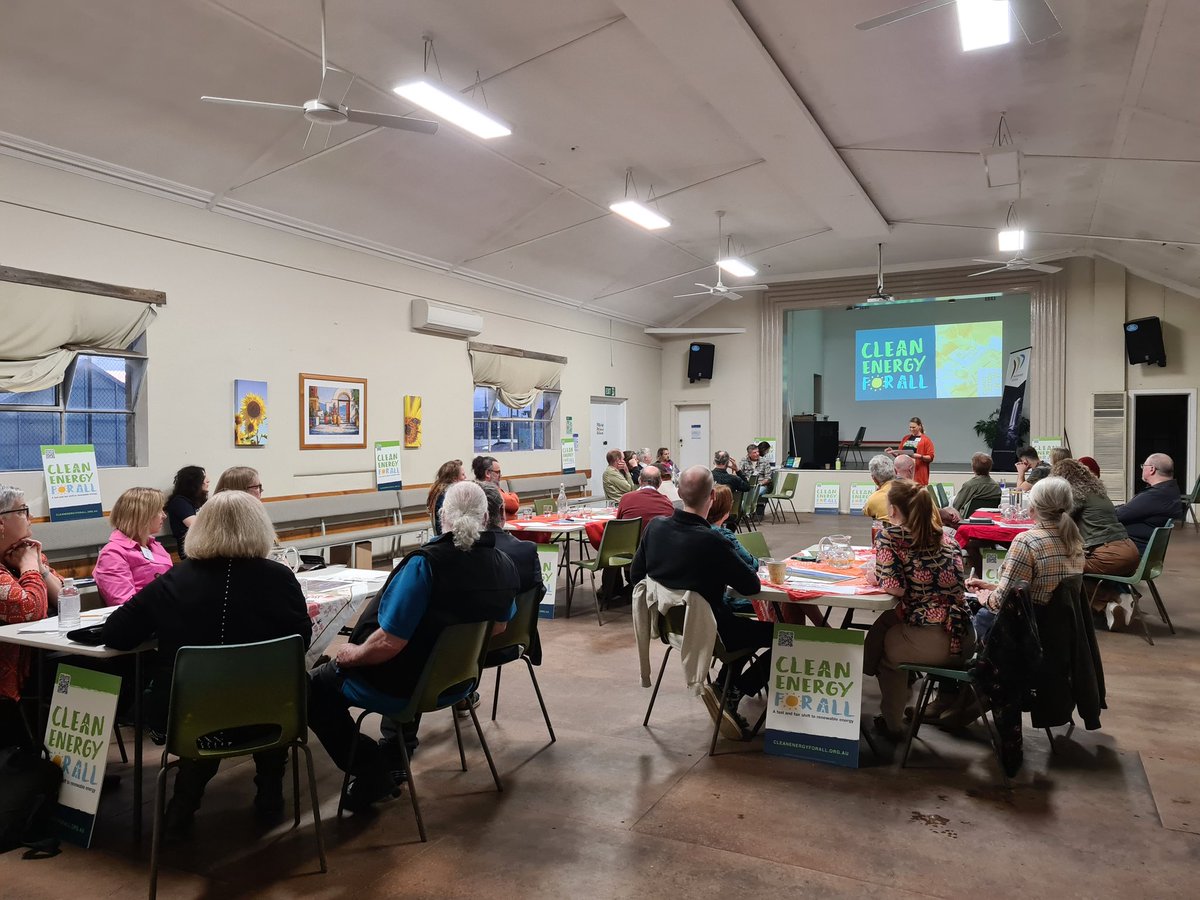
<point>225,592</point>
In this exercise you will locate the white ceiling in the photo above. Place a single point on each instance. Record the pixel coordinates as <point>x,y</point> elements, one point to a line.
<point>818,139</point>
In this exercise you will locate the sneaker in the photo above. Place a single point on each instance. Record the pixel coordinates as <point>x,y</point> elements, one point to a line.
<point>367,790</point>
<point>731,727</point>
<point>463,708</point>
<point>1114,616</point>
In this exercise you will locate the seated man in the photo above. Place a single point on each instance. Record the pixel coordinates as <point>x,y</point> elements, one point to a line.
<point>523,553</point>
<point>616,480</point>
<point>979,492</point>
<point>1155,506</point>
<point>1030,468</point>
<point>725,471</point>
<point>487,468</point>
<point>882,470</point>
<point>757,472</point>
<point>457,577</point>
<point>684,554</point>
<point>905,468</point>
<point>647,502</point>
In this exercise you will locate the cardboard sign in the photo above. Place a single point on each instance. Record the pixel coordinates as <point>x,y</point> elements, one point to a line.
<point>72,482</point>
<point>387,466</point>
<point>78,732</point>
<point>859,495</point>
<point>827,497</point>
<point>814,698</point>
<point>568,455</point>
<point>548,558</point>
<point>993,560</point>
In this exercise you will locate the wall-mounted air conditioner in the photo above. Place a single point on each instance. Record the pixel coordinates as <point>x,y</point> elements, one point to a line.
<point>438,318</point>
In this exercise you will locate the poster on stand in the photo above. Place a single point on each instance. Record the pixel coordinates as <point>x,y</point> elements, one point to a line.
<point>770,455</point>
<point>859,495</point>
<point>72,482</point>
<point>548,559</point>
<point>78,732</point>
<point>827,497</point>
<point>814,699</point>
<point>387,466</point>
<point>1043,446</point>
<point>568,455</point>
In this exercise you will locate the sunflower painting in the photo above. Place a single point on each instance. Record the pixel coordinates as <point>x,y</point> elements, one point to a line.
<point>249,413</point>
<point>412,421</point>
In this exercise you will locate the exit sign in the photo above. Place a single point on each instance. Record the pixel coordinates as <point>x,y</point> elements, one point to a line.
<point>610,391</point>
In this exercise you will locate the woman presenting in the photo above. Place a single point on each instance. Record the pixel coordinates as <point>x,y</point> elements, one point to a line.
<point>917,445</point>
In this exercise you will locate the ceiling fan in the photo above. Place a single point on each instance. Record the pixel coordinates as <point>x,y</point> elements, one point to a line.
<point>322,111</point>
<point>879,296</point>
<point>1019,263</point>
<point>1035,17</point>
<point>719,289</point>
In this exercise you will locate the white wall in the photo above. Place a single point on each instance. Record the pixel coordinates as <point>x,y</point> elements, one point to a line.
<point>949,422</point>
<point>248,301</point>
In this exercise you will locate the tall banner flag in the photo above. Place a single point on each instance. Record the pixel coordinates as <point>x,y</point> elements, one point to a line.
<point>1012,405</point>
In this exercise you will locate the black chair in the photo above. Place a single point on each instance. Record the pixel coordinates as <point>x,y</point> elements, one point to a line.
<point>854,446</point>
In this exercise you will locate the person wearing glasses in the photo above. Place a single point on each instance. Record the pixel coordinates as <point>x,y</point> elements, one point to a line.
<point>28,592</point>
<point>1155,506</point>
<point>487,468</point>
<point>241,478</point>
<point>133,557</point>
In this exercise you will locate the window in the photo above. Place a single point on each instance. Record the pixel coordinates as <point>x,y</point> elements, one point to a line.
<point>95,404</point>
<point>499,428</point>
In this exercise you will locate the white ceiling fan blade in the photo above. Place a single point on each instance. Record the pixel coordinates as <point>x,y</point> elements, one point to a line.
<point>995,262</point>
<point>732,295</point>
<point>915,10</point>
<point>752,287</point>
<point>260,104</point>
<point>1036,19</point>
<point>708,287</point>
<point>424,126</point>
<point>1049,270</point>
<point>693,294</point>
<point>1043,256</point>
<point>987,271</point>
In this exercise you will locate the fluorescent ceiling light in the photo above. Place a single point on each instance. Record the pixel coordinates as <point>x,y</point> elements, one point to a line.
<point>1011,241</point>
<point>640,214</point>
<point>983,23</point>
<point>736,267</point>
<point>446,106</point>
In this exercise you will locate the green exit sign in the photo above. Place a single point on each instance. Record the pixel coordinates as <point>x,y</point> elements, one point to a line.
<point>610,391</point>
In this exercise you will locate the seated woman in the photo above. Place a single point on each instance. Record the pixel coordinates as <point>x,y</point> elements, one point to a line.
<point>917,563</point>
<point>225,592</point>
<point>28,592</point>
<point>240,478</point>
<point>1107,548</point>
<point>1040,557</point>
<point>718,515</point>
<point>665,464</point>
<point>187,496</point>
<point>133,557</point>
<point>448,473</point>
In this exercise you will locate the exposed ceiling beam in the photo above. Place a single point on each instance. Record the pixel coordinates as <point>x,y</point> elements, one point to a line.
<point>722,58</point>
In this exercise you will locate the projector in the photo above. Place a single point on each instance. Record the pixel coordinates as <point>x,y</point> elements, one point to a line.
<point>880,297</point>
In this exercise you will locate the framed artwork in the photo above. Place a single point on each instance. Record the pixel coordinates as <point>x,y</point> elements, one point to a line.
<point>333,412</point>
<point>412,421</point>
<point>249,413</point>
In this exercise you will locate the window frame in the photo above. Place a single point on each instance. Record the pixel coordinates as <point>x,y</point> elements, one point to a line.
<point>549,422</point>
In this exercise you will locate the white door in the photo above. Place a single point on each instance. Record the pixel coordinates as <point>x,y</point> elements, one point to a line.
<point>606,431</point>
<point>692,437</point>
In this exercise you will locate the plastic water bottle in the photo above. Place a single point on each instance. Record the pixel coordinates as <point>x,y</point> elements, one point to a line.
<point>1004,495</point>
<point>68,606</point>
<point>562,500</point>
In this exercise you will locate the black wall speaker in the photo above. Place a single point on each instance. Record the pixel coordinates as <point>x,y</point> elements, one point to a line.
<point>1144,341</point>
<point>700,361</point>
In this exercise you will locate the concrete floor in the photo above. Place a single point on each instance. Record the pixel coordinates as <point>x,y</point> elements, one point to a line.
<point>617,810</point>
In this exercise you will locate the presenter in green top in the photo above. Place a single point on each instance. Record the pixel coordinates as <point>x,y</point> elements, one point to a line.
<point>917,445</point>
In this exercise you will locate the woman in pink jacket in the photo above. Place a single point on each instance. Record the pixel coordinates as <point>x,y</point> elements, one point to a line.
<point>132,558</point>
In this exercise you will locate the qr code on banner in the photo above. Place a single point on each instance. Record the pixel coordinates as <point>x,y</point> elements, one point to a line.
<point>786,638</point>
<point>64,684</point>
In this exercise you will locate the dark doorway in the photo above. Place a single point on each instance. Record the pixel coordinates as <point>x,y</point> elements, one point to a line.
<point>1161,423</point>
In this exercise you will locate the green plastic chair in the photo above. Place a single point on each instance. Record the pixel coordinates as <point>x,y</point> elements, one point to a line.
<point>451,673</point>
<point>618,544</point>
<point>670,632</point>
<point>735,509</point>
<point>1149,568</point>
<point>210,692</point>
<point>514,643</point>
<point>1189,504</point>
<point>942,500</point>
<point>787,492</point>
<point>749,509</point>
<point>755,544</point>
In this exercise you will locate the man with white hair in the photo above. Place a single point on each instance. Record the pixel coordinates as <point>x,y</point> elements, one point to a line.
<point>1154,507</point>
<point>457,577</point>
<point>882,470</point>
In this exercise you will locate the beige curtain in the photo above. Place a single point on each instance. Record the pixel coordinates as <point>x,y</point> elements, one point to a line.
<point>518,380</point>
<point>37,325</point>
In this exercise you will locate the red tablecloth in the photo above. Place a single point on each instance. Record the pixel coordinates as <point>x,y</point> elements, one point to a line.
<point>593,527</point>
<point>995,534</point>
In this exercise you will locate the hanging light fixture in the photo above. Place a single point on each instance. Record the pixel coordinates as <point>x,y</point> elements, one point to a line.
<point>1011,239</point>
<point>444,104</point>
<point>637,212</point>
<point>879,296</point>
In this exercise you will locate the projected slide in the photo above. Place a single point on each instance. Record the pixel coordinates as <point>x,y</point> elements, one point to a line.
<point>929,362</point>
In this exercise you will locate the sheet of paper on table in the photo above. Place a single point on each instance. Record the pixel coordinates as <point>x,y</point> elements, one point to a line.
<point>345,576</point>
<point>800,584</point>
<point>819,575</point>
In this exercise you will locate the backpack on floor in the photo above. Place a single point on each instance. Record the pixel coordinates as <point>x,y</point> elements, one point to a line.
<point>29,786</point>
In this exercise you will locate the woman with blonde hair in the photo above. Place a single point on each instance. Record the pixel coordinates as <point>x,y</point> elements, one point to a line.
<point>133,557</point>
<point>226,592</point>
<point>448,473</point>
<point>240,478</point>
<point>922,567</point>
